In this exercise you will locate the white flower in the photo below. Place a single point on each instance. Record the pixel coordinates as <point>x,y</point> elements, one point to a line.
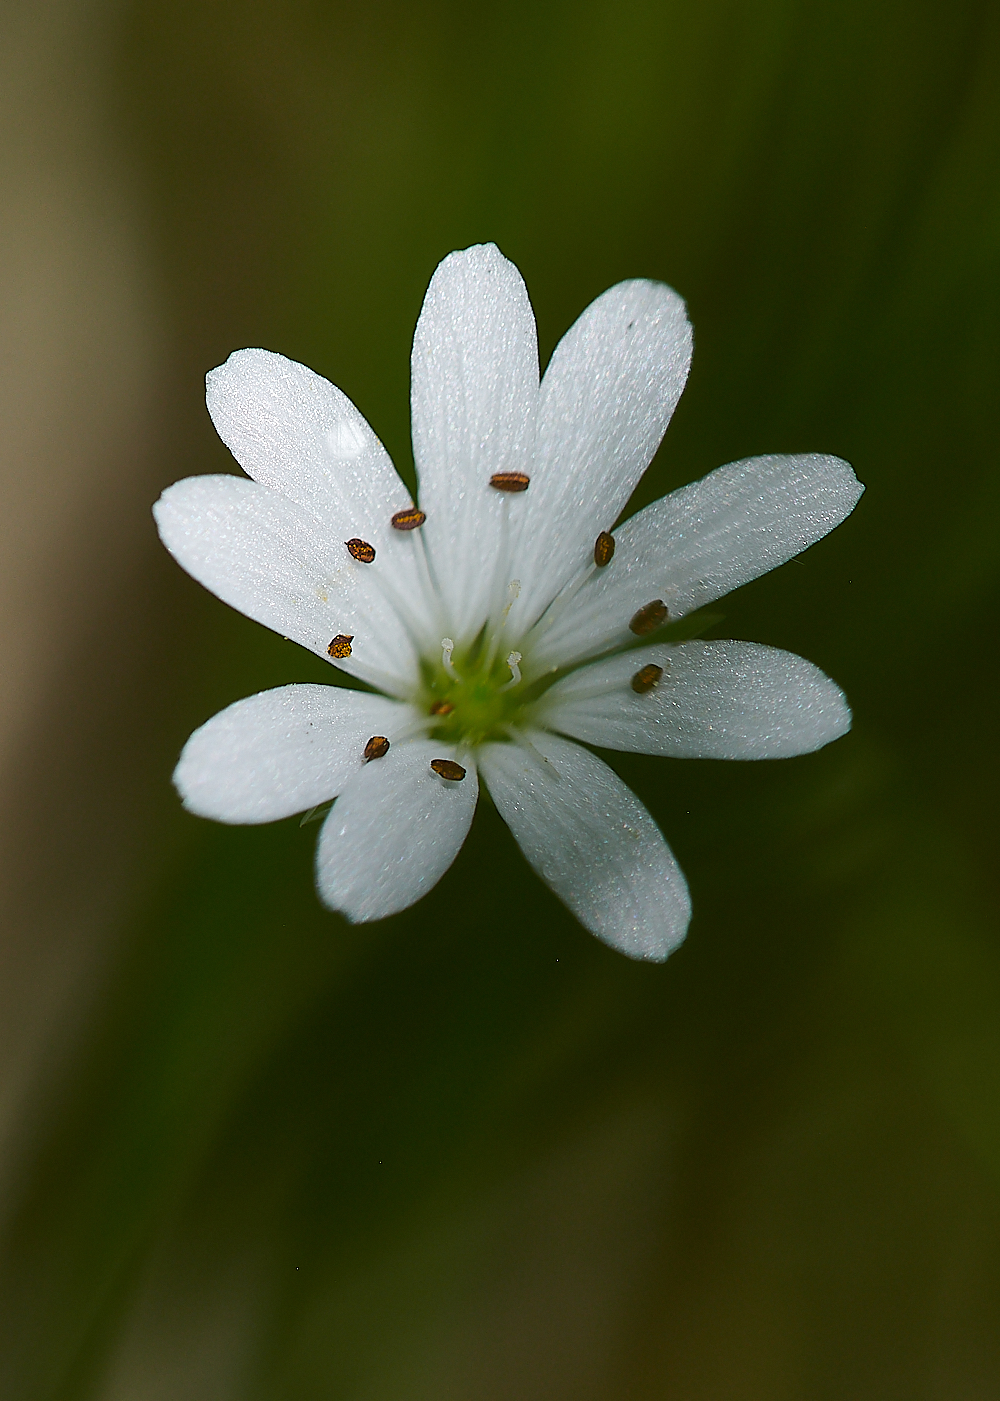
<point>494,622</point>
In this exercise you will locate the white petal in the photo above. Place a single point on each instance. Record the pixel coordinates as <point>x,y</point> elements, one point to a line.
<point>281,751</point>
<point>606,399</point>
<point>280,565</point>
<point>294,431</point>
<point>715,700</point>
<point>589,838</point>
<point>474,399</point>
<point>705,540</point>
<point>394,831</point>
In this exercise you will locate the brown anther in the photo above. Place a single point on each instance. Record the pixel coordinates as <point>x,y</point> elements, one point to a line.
<point>447,768</point>
<point>510,481</point>
<point>442,707</point>
<point>646,678</point>
<point>376,748</point>
<point>648,618</point>
<point>604,549</point>
<point>341,645</point>
<point>408,520</point>
<point>361,550</point>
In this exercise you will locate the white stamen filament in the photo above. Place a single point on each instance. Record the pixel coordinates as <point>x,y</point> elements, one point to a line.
<point>515,670</point>
<point>513,593</point>
<point>381,680</point>
<point>447,647</point>
<point>598,690</point>
<point>381,585</point>
<point>363,623</point>
<point>428,578</point>
<point>416,727</point>
<point>525,743</point>
<point>557,608</point>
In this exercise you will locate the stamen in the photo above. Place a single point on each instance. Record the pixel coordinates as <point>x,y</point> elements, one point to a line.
<point>513,593</point>
<point>447,768</point>
<point>556,609</point>
<point>442,707</point>
<point>648,617</point>
<point>432,589</point>
<point>341,645</point>
<point>515,670</point>
<point>525,743</point>
<point>420,725</point>
<point>604,549</point>
<point>646,678</point>
<point>376,748</point>
<point>447,647</point>
<point>510,481</point>
<point>361,550</point>
<point>408,520</point>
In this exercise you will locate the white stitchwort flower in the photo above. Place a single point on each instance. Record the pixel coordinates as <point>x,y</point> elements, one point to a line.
<point>501,620</point>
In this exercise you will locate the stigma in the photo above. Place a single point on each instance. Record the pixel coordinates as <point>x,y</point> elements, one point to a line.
<point>447,647</point>
<point>513,658</point>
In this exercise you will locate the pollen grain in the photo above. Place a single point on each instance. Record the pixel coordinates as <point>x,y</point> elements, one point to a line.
<point>341,645</point>
<point>510,481</point>
<point>646,678</point>
<point>604,549</point>
<point>648,617</point>
<point>408,520</point>
<point>360,550</point>
<point>447,768</point>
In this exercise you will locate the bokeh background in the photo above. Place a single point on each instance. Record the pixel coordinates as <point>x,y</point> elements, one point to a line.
<point>249,1152</point>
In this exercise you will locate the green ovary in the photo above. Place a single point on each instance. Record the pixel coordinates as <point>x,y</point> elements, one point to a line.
<point>483,704</point>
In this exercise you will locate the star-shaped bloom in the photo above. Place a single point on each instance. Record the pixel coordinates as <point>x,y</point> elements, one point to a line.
<point>502,620</point>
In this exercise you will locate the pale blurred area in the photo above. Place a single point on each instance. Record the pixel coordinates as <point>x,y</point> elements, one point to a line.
<point>79,352</point>
<point>80,338</point>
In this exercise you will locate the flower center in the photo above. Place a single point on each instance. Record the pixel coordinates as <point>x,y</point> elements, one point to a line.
<point>473,693</point>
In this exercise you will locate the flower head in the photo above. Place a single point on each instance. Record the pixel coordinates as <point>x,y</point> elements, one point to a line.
<point>502,619</point>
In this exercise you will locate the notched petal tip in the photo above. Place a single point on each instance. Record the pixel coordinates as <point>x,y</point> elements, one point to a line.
<point>236,366</point>
<point>481,254</point>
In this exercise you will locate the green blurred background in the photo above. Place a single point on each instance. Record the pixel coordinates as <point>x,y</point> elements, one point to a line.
<point>470,1154</point>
